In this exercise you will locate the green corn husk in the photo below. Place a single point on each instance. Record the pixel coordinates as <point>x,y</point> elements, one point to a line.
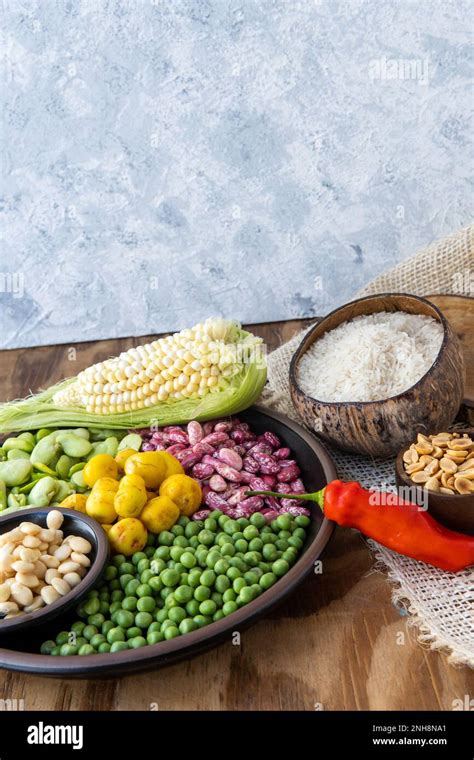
<point>39,411</point>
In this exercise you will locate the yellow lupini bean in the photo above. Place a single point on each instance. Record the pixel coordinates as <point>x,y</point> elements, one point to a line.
<point>100,466</point>
<point>131,496</point>
<point>149,465</point>
<point>100,502</point>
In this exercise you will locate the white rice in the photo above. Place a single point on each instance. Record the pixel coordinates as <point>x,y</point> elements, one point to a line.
<point>371,357</point>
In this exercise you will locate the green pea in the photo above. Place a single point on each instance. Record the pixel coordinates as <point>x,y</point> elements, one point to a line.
<point>239,584</point>
<point>218,615</point>
<point>154,637</point>
<point>282,544</point>
<point>201,593</point>
<point>171,632</point>
<point>183,521</point>
<point>80,641</point>
<point>241,545</point>
<point>194,578</point>
<point>192,529</point>
<point>55,652</point>
<point>184,579</point>
<point>217,598</point>
<point>251,531</point>
<point>114,607</point>
<point>302,521</point>
<point>187,625</point>
<point>119,646</point>
<point>116,634</point>
<point>269,552</point>
<point>231,527</point>
<point>222,583</point>
<point>252,558</point>
<point>165,592</point>
<point>229,607</point>
<point>222,520</point>
<point>299,533</point>
<point>192,607</point>
<point>247,595</point>
<point>143,589</point>
<point>165,538</point>
<point>143,619</point>
<point>89,631</point>
<point>108,625</point>
<point>118,560</point>
<point>157,565</point>
<point>144,564</point>
<point>126,568</point>
<point>170,578</point>
<point>257,589</point>
<point>155,583</point>
<point>252,577</point>
<point>183,594</point>
<point>188,559</point>
<point>129,603</point>
<point>228,549</point>
<point>202,620</point>
<point>229,595</point>
<point>146,604</point>
<point>132,632</point>
<point>208,607</point>
<point>243,522</point>
<point>97,640</point>
<point>47,646</point>
<point>177,614</point>
<point>124,618</point>
<point>161,615</point>
<point>176,552</point>
<point>86,649</point>
<point>213,556</point>
<point>163,552</point>
<point>295,542</point>
<point>206,537</point>
<point>181,542</point>
<point>208,578</point>
<point>282,522</point>
<point>280,567</point>
<point>92,606</point>
<point>233,573</point>
<point>98,619</point>
<point>117,595</point>
<point>177,530</point>
<point>78,627</point>
<point>115,584</point>
<point>265,567</point>
<point>210,524</point>
<point>125,579</point>
<point>256,545</point>
<point>201,556</point>
<point>137,557</point>
<point>137,642</point>
<point>146,575</point>
<point>267,580</point>
<point>104,647</point>
<point>258,520</point>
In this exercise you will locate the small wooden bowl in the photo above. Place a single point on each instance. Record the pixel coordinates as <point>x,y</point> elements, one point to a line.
<point>74,523</point>
<point>381,428</point>
<point>456,512</point>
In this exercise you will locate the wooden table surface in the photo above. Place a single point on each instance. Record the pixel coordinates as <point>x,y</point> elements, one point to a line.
<point>336,643</point>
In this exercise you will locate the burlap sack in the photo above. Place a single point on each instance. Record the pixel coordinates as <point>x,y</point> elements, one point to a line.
<point>439,604</point>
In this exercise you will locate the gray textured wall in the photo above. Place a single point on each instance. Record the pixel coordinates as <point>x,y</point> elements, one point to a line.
<point>164,161</point>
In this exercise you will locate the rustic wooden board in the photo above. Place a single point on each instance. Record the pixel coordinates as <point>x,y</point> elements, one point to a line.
<point>338,643</point>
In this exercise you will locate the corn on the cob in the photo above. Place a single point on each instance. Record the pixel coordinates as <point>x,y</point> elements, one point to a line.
<point>187,365</point>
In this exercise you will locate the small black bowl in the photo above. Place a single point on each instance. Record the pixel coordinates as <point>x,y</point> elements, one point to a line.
<point>75,523</point>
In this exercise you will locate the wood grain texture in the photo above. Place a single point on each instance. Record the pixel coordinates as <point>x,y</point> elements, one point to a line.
<point>337,643</point>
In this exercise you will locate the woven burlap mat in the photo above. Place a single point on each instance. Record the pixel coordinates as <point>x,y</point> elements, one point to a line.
<point>439,604</point>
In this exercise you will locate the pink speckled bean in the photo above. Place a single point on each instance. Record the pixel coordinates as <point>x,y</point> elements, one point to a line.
<point>246,477</point>
<point>208,427</point>
<point>159,447</point>
<point>273,503</point>
<point>283,488</point>
<point>237,496</point>
<point>227,472</point>
<point>229,444</point>
<point>288,505</point>
<point>195,432</point>
<point>203,448</point>
<point>207,459</point>
<point>270,481</point>
<point>247,445</point>
<point>205,490</point>
<point>179,437</point>
<point>160,437</point>
<point>297,486</point>
<point>232,512</point>
<point>187,458</point>
<point>272,439</point>
<point>239,449</point>
<point>223,427</point>
<point>260,448</point>
<point>287,462</point>
<point>258,484</point>
<point>175,449</point>
<point>214,501</point>
<point>148,447</point>
<point>251,505</point>
<point>250,464</point>
<point>217,483</point>
<point>287,474</point>
<point>269,514</point>
<point>202,471</point>
<point>214,438</point>
<point>201,515</point>
<point>283,453</point>
<point>230,457</point>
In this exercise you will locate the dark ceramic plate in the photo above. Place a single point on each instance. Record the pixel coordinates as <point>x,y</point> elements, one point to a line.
<point>75,523</point>
<point>20,653</point>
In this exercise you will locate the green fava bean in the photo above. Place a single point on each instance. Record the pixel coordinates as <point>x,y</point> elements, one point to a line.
<point>109,446</point>
<point>45,450</point>
<point>63,489</point>
<point>130,441</point>
<point>74,445</point>
<point>16,500</point>
<point>43,492</point>
<point>78,480</point>
<point>15,471</point>
<point>77,467</point>
<point>63,466</point>
<point>18,443</point>
<point>17,454</point>
<point>28,437</point>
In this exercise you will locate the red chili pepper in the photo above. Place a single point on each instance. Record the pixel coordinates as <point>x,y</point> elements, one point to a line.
<point>402,526</point>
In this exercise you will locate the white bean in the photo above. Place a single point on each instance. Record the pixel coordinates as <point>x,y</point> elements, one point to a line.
<point>49,561</point>
<point>54,519</point>
<point>72,578</point>
<point>30,528</point>
<point>43,547</point>
<point>27,579</point>
<point>49,595</point>
<point>79,544</point>
<point>39,569</point>
<point>69,567</point>
<point>47,534</point>
<point>63,552</point>
<point>31,542</point>
<point>28,555</point>
<point>23,567</point>
<point>35,604</point>
<point>81,559</point>
<point>22,595</point>
<point>61,586</point>
<point>50,574</point>
<point>6,564</point>
<point>5,592</point>
<point>7,607</point>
